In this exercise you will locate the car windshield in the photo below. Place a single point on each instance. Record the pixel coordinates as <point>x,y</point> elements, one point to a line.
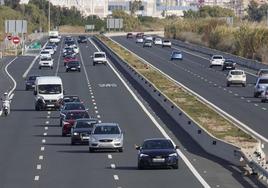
<point>77,115</point>
<point>99,55</point>
<point>228,62</point>
<point>73,63</point>
<point>71,99</point>
<point>107,130</point>
<point>45,52</point>
<point>50,89</point>
<point>85,124</point>
<point>45,58</point>
<point>166,40</point>
<point>48,48</point>
<point>74,106</point>
<point>32,77</point>
<point>264,72</point>
<point>237,72</point>
<point>82,37</point>
<point>157,39</point>
<point>176,53</point>
<point>53,37</point>
<point>263,81</point>
<point>217,57</point>
<point>157,144</point>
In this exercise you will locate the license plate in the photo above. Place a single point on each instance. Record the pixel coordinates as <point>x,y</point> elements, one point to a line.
<point>158,160</point>
<point>73,68</point>
<point>85,137</point>
<point>50,105</point>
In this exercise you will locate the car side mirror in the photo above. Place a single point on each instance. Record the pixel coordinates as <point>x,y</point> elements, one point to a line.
<point>35,92</point>
<point>137,147</point>
<point>177,147</point>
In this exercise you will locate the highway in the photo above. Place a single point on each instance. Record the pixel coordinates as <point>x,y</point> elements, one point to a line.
<point>33,153</point>
<point>194,72</point>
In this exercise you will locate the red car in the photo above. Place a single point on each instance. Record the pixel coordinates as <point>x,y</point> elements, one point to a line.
<point>67,59</point>
<point>70,118</point>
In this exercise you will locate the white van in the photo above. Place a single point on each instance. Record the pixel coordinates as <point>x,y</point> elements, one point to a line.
<point>48,92</point>
<point>54,36</point>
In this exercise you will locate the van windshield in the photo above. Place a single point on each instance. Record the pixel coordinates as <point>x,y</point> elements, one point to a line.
<point>49,89</point>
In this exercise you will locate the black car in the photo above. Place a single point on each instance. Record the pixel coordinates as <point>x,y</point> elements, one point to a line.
<point>157,152</point>
<point>30,82</point>
<point>81,130</point>
<point>129,36</point>
<point>228,64</point>
<point>82,39</point>
<point>73,66</point>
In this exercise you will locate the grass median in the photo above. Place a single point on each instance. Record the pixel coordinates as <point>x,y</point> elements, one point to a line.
<point>205,116</point>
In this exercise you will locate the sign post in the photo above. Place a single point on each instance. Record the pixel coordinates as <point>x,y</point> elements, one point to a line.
<point>16,41</point>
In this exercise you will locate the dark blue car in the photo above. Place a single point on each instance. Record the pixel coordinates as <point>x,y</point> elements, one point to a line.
<point>30,82</point>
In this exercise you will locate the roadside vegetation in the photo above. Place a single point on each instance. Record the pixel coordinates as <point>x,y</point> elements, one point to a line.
<point>201,113</point>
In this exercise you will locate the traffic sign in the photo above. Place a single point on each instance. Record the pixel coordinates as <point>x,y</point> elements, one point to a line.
<point>9,37</point>
<point>16,40</point>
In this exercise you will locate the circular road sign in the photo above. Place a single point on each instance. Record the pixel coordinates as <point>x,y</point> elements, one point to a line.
<point>9,37</point>
<point>16,40</point>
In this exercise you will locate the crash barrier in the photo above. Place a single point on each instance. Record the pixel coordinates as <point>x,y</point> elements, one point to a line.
<point>212,145</point>
<point>249,63</point>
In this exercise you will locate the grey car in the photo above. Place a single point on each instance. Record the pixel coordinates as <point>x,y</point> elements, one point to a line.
<point>260,86</point>
<point>106,136</point>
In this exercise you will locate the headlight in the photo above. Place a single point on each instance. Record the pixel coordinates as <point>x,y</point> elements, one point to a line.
<point>143,155</point>
<point>173,155</point>
<point>76,134</point>
<point>117,139</point>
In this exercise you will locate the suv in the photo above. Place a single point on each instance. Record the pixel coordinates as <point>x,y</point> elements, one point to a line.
<point>236,77</point>
<point>228,64</point>
<point>99,57</point>
<point>260,86</point>
<point>216,60</point>
<point>73,66</point>
<point>147,43</point>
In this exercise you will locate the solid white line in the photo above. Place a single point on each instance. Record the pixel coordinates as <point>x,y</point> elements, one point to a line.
<point>42,148</point>
<point>36,178</point>
<point>116,177</point>
<point>183,157</point>
<point>113,166</point>
<point>13,80</point>
<point>30,67</point>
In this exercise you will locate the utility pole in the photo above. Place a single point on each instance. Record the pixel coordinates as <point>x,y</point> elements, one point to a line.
<point>48,16</point>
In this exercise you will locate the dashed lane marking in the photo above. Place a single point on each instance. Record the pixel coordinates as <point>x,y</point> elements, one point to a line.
<point>45,134</point>
<point>42,148</point>
<point>47,122</point>
<point>116,177</point>
<point>38,167</point>
<point>43,140</point>
<point>46,128</point>
<point>41,157</point>
<point>110,156</point>
<point>113,166</point>
<point>36,178</point>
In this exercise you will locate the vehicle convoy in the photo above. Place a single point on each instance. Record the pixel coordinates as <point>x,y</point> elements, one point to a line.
<point>157,152</point>
<point>216,60</point>
<point>70,118</point>
<point>260,86</point>
<point>99,58</point>
<point>236,77</point>
<point>48,92</point>
<point>54,36</point>
<point>30,82</point>
<point>106,136</point>
<point>46,62</point>
<point>81,130</point>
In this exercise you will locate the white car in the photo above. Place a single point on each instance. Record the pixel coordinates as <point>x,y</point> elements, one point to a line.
<point>76,49</point>
<point>166,43</point>
<point>264,95</point>
<point>50,49</point>
<point>157,41</point>
<point>45,53</point>
<point>216,60</point>
<point>139,40</point>
<point>262,72</point>
<point>99,58</point>
<point>261,85</point>
<point>236,77</point>
<point>148,38</point>
<point>46,62</point>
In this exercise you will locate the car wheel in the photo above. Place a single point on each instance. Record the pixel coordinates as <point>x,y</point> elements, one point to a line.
<point>120,150</point>
<point>244,85</point>
<point>39,67</point>
<point>79,70</point>
<point>66,70</point>
<point>228,85</point>
<point>210,66</point>
<point>26,88</point>
<point>63,134</point>
<point>256,95</point>
<point>94,64</point>
<point>37,108</point>
<point>176,166</point>
<point>72,142</point>
<point>64,64</point>
<point>51,67</point>
<point>263,100</point>
<point>91,150</point>
<point>140,166</point>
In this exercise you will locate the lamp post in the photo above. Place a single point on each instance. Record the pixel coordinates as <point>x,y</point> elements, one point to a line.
<point>48,16</point>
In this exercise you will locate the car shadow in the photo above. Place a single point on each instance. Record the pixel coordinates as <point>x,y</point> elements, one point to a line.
<point>57,144</point>
<point>74,151</point>
<point>52,136</point>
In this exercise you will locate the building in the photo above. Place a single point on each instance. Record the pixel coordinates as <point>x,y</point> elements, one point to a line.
<point>2,2</point>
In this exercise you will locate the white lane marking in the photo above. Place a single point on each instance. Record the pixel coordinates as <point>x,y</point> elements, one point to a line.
<point>47,122</point>
<point>242,97</point>
<point>230,91</point>
<point>236,94</point>
<point>110,156</point>
<point>41,157</point>
<point>94,103</point>
<point>46,128</point>
<point>58,62</point>
<point>256,104</point>
<point>248,100</point>
<point>36,178</point>
<point>13,80</point>
<point>116,177</point>
<point>48,117</point>
<point>93,100</point>
<point>96,111</point>
<point>98,116</point>
<point>30,67</point>
<point>99,121</point>
<point>264,108</point>
<point>113,166</point>
<point>95,107</point>
<point>48,112</point>
<point>38,167</point>
<point>11,96</point>
<point>182,156</point>
<point>43,140</point>
<point>45,134</point>
<point>42,148</point>
<point>92,97</point>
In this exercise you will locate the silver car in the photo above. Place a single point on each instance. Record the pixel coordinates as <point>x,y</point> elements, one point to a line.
<point>106,136</point>
<point>264,95</point>
<point>260,86</point>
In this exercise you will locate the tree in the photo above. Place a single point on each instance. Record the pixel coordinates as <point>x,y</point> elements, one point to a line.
<point>254,12</point>
<point>12,3</point>
<point>135,6</point>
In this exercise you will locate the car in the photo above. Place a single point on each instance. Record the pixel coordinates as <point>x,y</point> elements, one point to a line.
<point>46,62</point>
<point>50,49</point>
<point>157,41</point>
<point>99,58</point>
<point>70,118</point>
<point>139,40</point>
<point>166,43</point>
<point>54,46</point>
<point>30,82</point>
<point>68,51</point>
<point>139,35</point>
<point>148,38</point>
<point>70,106</point>
<point>261,84</point>
<point>228,64</point>
<point>264,95</point>
<point>262,72</point>
<point>236,77</point>
<point>147,43</point>
<point>68,58</point>
<point>70,43</point>
<point>82,39</point>
<point>75,49</point>
<point>68,98</point>
<point>129,35</point>
<point>216,60</point>
<point>157,152</point>
<point>106,136</point>
<point>81,130</point>
<point>73,66</point>
<point>176,55</point>
<point>45,53</point>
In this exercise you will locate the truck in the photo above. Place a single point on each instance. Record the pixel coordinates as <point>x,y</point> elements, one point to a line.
<point>54,36</point>
<point>48,92</point>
